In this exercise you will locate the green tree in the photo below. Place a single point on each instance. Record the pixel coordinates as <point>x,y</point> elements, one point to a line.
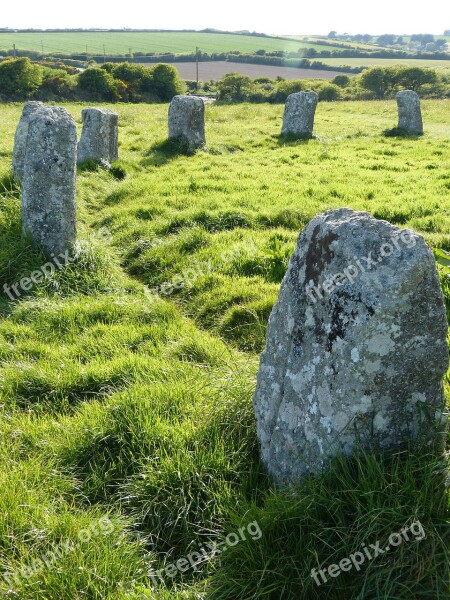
<point>19,78</point>
<point>165,81</point>
<point>388,39</point>
<point>414,78</point>
<point>380,80</point>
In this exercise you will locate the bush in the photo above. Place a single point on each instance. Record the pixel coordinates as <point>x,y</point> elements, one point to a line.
<point>385,81</point>
<point>99,84</point>
<point>341,80</point>
<point>58,86</point>
<point>234,87</point>
<point>329,92</point>
<point>284,88</point>
<point>19,78</point>
<point>165,82</point>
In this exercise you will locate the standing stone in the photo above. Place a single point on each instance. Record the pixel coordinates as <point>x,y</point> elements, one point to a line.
<point>356,346</point>
<point>48,188</point>
<point>20,138</point>
<point>99,137</point>
<point>409,115</point>
<point>187,121</point>
<point>298,118</point>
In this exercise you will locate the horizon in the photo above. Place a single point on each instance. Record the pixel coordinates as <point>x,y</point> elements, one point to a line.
<point>211,30</point>
<point>346,17</point>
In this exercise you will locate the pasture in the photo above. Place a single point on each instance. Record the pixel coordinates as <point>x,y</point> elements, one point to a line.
<point>385,62</point>
<point>134,406</point>
<point>98,42</point>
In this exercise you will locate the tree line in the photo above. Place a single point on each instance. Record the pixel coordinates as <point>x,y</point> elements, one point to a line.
<point>372,84</point>
<point>21,79</point>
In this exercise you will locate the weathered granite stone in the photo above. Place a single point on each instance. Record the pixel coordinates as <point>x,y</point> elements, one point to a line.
<point>48,188</point>
<point>409,114</point>
<point>187,121</point>
<point>356,346</point>
<point>99,136</point>
<point>298,118</point>
<point>20,138</point>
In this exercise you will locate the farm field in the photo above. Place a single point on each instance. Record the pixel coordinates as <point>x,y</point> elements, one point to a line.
<point>312,39</point>
<point>217,69</point>
<point>125,396</point>
<point>157,42</point>
<point>371,62</point>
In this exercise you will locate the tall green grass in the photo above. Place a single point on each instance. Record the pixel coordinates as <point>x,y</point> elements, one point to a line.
<point>121,404</point>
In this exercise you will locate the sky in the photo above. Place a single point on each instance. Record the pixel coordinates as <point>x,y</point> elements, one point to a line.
<point>287,17</point>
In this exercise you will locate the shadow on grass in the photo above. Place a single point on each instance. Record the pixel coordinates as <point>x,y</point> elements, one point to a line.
<point>397,132</point>
<point>165,151</point>
<point>291,139</point>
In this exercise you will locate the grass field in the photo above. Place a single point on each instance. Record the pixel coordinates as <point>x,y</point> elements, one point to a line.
<point>312,39</point>
<point>157,42</point>
<point>120,405</point>
<point>371,62</point>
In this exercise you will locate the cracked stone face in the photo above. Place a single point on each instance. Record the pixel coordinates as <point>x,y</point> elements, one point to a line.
<point>298,118</point>
<point>356,346</point>
<point>99,136</point>
<point>48,187</point>
<point>409,114</point>
<point>20,138</point>
<point>187,121</point>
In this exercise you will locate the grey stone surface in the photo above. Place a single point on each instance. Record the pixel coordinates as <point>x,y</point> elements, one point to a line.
<point>99,136</point>
<point>356,346</point>
<point>20,138</point>
<point>298,118</point>
<point>187,121</point>
<point>409,114</point>
<point>48,187</point>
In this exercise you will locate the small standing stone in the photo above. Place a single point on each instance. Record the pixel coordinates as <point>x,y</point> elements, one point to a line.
<point>356,346</point>
<point>99,137</point>
<point>409,114</point>
<point>187,121</point>
<point>48,188</point>
<point>20,138</point>
<point>298,118</point>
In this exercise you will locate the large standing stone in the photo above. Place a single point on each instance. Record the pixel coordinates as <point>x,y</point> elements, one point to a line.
<point>298,118</point>
<point>409,114</point>
<point>187,121</point>
<point>99,136</point>
<point>356,346</point>
<point>48,188</point>
<point>20,138</point>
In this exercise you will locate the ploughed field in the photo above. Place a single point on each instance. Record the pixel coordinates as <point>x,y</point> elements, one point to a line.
<point>217,70</point>
<point>127,436</point>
